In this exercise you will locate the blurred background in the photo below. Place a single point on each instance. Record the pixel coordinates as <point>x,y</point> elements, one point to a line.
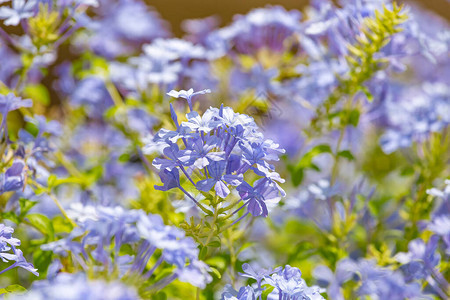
<point>175,11</point>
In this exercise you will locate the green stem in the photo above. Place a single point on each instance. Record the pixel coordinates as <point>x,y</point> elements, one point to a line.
<point>213,225</point>
<point>114,93</point>
<point>232,257</point>
<point>335,169</point>
<point>68,165</point>
<point>61,208</point>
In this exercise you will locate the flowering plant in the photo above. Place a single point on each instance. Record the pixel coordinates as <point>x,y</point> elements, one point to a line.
<point>322,145</point>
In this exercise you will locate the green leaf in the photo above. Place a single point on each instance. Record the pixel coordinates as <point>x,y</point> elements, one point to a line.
<point>160,296</point>
<point>41,223</point>
<point>61,225</point>
<point>217,261</point>
<point>346,154</point>
<point>42,259</point>
<point>297,176</point>
<point>38,92</point>
<point>125,157</point>
<point>216,272</point>
<point>51,181</point>
<point>407,171</point>
<point>14,288</point>
<point>10,216</point>
<point>353,118</point>
<point>203,253</point>
<point>306,162</point>
<point>214,244</point>
<point>26,205</point>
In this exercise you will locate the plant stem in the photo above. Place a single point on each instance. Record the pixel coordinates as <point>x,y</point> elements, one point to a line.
<point>213,225</point>
<point>114,93</point>
<point>63,211</point>
<point>68,165</point>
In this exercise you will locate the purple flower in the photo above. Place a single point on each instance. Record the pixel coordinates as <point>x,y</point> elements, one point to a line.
<point>423,110</point>
<point>204,123</point>
<point>201,152</point>
<point>219,147</point>
<point>77,287</point>
<point>91,92</point>
<point>172,153</point>
<point>256,197</point>
<point>14,177</point>
<point>257,274</point>
<point>345,270</point>
<point>21,262</point>
<point>384,283</point>
<point>440,225</point>
<point>9,243</point>
<point>244,293</point>
<point>103,232</point>
<point>263,27</point>
<point>198,29</point>
<point>287,283</point>
<point>421,259</point>
<point>6,242</point>
<point>218,179</point>
<point>122,27</point>
<point>187,95</point>
<point>9,103</point>
<point>21,9</point>
<point>170,179</point>
<point>262,81</point>
<point>51,127</point>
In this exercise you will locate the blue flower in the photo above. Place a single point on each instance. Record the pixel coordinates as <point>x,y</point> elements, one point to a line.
<point>77,287</point>
<point>21,9</point>
<point>9,243</point>
<point>384,283</point>
<point>103,232</point>
<point>421,259</point>
<point>287,283</point>
<point>6,242</point>
<point>244,293</point>
<point>257,274</point>
<point>170,179</point>
<point>120,28</point>
<point>261,80</point>
<point>256,30</point>
<point>14,177</point>
<point>205,123</point>
<point>91,92</point>
<point>256,197</point>
<point>218,179</point>
<point>9,103</point>
<point>218,148</point>
<point>345,270</point>
<point>201,153</point>
<point>187,95</point>
<point>424,110</point>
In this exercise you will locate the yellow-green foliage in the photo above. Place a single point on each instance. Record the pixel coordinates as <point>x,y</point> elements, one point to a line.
<point>376,32</point>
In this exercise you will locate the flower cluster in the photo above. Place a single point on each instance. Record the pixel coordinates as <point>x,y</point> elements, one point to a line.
<point>116,190</point>
<point>268,27</point>
<point>427,110</point>
<point>219,147</point>
<point>104,233</point>
<point>9,251</point>
<point>77,287</point>
<point>374,281</point>
<point>287,283</point>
